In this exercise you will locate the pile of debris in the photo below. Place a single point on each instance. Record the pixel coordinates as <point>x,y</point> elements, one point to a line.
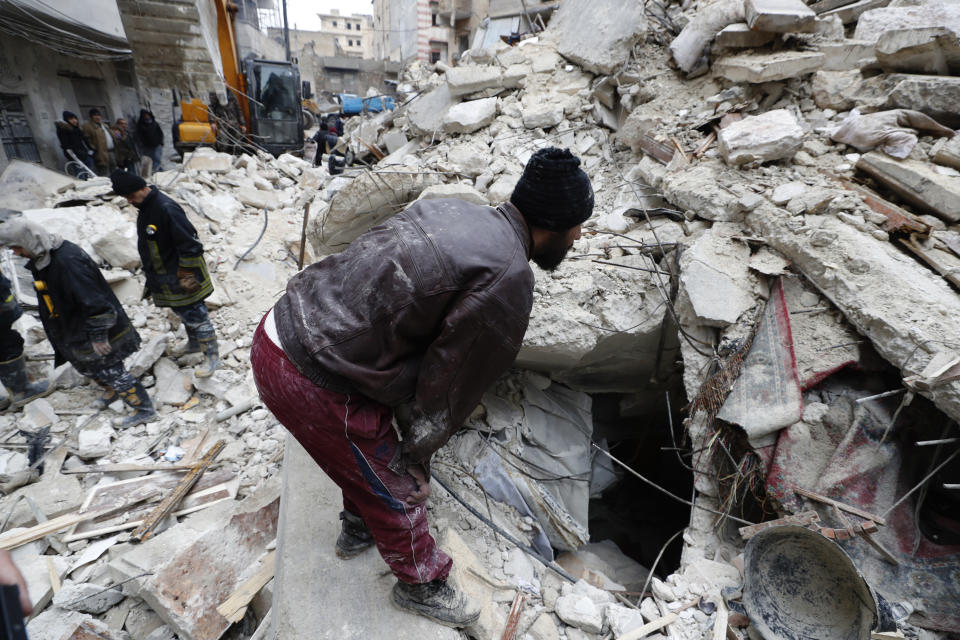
<point>744,230</point>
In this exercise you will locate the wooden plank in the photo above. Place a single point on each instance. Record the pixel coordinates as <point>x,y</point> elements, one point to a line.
<point>650,627</point>
<point>125,467</point>
<point>943,262</point>
<point>168,504</point>
<point>803,519</point>
<point>720,622</point>
<point>235,606</point>
<point>657,150</point>
<point>898,218</point>
<point>845,507</point>
<point>54,576</point>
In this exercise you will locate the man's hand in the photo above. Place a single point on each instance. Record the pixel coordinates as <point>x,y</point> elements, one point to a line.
<point>101,348</point>
<point>423,485</point>
<point>9,574</point>
<point>188,281</point>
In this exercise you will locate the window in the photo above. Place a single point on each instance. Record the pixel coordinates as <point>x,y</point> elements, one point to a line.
<point>433,19</point>
<point>15,133</point>
<point>334,23</point>
<point>349,43</point>
<point>358,26</point>
<point>349,26</point>
<point>434,56</point>
<point>358,44</point>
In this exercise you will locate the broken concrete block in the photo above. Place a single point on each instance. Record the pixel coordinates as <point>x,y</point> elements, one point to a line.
<point>144,359</point>
<point>947,152</point>
<point>470,116</point>
<point>688,47</point>
<point>514,76</point>
<point>770,136</point>
<point>740,35</point>
<point>27,185</point>
<point>221,208</point>
<point>767,67</point>
<point>364,202</point>
<point>173,385</point>
<point>94,442</point>
<point>836,90</point>
<point>35,568</point>
<point>543,115</point>
<point>936,96</point>
<point>426,112</point>
<point>581,612</point>
<point>926,50</point>
<point>87,597</point>
<point>394,140</point>
<point>80,225</point>
<point>695,189</point>
<point>258,199</point>
<point>12,462</point>
<point>847,55</point>
<point>502,188</point>
<point>929,13</point>
<point>118,249</point>
<point>544,628</point>
<point>471,157</point>
<point>57,624</point>
<point>470,79</point>
<point>780,16</point>
<point>916,182</point>
<point>457,190</point>
<point>198,563</point>
<point>356,594</point>
<point>715,276</point>
<point>850,13</point>
<point>598,35</point>
<point>208,159</point>
<point>39,413</point>
<point>620,619</point>
<point>786,192</point>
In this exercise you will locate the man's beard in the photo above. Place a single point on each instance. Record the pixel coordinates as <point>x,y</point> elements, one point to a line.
<point>550,257</point>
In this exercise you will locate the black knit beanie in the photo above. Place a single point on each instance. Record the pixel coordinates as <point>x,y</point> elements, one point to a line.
<point>553,193</point>
<point>69,114</point>
<point>126,183</point>
<point>94,112</point>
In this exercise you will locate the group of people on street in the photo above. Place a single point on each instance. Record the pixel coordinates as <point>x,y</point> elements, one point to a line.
<point>81,315</point>
<point>327,137</point>
<point>103,147</point>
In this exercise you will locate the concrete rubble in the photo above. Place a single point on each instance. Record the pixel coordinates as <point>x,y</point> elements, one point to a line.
<point>715,180</point>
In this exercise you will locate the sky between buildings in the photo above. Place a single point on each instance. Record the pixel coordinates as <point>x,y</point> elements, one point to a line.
<point>302,14</point>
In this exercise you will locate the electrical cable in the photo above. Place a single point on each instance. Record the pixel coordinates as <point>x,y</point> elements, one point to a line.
<point>643,592</point>
<point>256,242</point>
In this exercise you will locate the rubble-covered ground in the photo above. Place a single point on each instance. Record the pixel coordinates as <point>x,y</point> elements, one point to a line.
<point>774,244</point>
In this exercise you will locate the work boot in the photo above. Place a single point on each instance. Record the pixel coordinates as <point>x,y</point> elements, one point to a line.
<point>211,358</point>
<point>108,396</point>
<point>13,374</point>
<point>355,537</point>
<point>136,398</point>
<point>438,601</point>
<point>192,345</point>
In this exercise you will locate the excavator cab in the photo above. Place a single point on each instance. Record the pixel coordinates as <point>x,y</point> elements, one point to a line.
<point>276,121</point>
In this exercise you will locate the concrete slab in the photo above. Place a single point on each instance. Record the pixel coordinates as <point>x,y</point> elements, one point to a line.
<point>936,96</point>
<point>688,47</point>
<point>780,16</point>
<point>470,116</point>
<point>850,13</point>
<point>24,185</point>
<point>598,35</point>
<point>916,182</point>
<point>847,55</point>
<point>927,50</point>
<point>355,596</point>
<point>470,79</point>
<point>459,190</point>
<point>426,111</point>
<point>740,35</point>
<point>766,67</point>
<point>875,22</point>
<point>769,136</point>
<point>947,152</point>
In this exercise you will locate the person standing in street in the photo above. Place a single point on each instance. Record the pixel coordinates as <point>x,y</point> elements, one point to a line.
<point>72,139</point>
<point>172,258</point>
<point>413,321</point>
<point>128,156</point>
<point>100,139</point>
<point>81,316</point>
<point>151,138</point>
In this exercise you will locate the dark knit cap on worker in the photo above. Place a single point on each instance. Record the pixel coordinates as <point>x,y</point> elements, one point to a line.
<point>125,183</point>
<point>95,112</point>
<point>554,193</point>
<point>69,114</point>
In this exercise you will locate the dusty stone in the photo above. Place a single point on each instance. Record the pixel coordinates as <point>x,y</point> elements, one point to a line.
<point>426,111</point>
<point>197,564</point>
<point>851,12</point>
<point>767,67</point>
<point>927,50</point>
<point>142,621</point>
<point>695,189</point>
<point>470,79</point>
<point>258,199</point>
<point>94,442</point>
<point>456,190</point>
<point>502,188</point>
<point>394,140</point>
<point>173,385</point>
<point>544,628</point>
<point>598,35</point>
<point>80,225</point>
<point>144,359</point>
<point>36,571</point>
<point>847,55</point>
<point>740,35</point>
<point>836,90</point>
<point>780,16</point>
<point>715,279</point>
<point>118,248</point>
<point>26,185</point>
<point>39,413</point>
<point>515,76</point>
<point>917,182</point>
<point>86,597</point>
<point>221,208</point>
<point>620,619</point>
<point>936,96</point>
<point>662,591</point>
<point>12,461</point>
<point>57,624</point>
<point>947,152</point>
<point>207,159</point>
<point>786,192</point>
<point>649,609</point>
<point>770,136</point>
<point>581,612</point>
<point>470,116</point>
<point>929,13</point>
<point>543,115</point>
<point>688,48</point>
<point>367,200</point>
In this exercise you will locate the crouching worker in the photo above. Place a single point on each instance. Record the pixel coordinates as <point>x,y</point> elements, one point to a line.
<point>82,317</point>
<point>13,369</point>
<point>414,320</point>
<point>172,258</point>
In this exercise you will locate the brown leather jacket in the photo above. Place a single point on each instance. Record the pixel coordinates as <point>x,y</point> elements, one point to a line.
<point>421,313</point>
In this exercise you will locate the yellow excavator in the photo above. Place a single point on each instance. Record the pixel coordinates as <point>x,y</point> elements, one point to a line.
<point>263,107</point>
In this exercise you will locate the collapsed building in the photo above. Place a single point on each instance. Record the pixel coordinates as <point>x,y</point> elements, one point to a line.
<point>752,344</point>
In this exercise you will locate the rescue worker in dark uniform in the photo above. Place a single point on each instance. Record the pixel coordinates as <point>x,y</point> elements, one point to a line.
<point>13,370</point>
<point>173,263</point>
<point>83,319</point>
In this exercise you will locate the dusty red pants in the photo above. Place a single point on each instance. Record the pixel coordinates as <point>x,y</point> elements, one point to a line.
<point>352,439</point>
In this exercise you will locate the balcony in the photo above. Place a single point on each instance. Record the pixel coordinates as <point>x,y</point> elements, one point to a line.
<point>461,10</point>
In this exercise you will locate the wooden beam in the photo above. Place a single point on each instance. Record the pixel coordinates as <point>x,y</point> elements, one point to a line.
<point>840,505</point>
<point>145,530</point>
<point>235,606</point>
<point>124,467</point>
<point>803,519</point>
